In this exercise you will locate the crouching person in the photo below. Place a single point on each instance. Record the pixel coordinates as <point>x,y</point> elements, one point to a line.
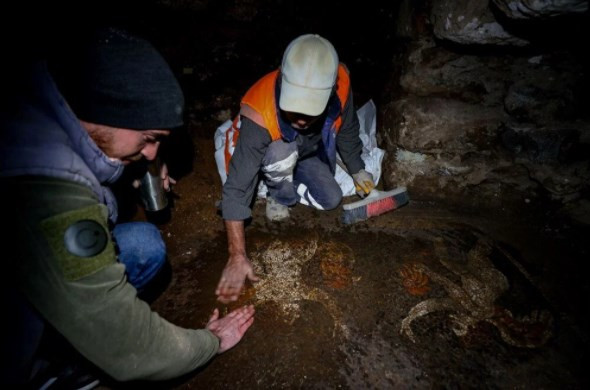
<point>291,124</point>
<point>67,132</point>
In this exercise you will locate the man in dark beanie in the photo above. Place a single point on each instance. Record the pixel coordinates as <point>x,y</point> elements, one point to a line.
<point>65,138</point>
<point>121,81</point>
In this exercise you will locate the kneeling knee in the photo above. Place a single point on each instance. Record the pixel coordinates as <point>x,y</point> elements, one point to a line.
<point>332,201</point>
<point>141,249</point>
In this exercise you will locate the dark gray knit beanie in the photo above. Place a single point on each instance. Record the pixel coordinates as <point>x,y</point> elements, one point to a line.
<point>120,80</point>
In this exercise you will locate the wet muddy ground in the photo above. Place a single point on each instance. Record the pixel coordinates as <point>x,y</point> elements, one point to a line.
<point>426,296</point>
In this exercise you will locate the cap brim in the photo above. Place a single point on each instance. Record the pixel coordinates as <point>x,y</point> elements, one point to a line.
<point>302,100</point>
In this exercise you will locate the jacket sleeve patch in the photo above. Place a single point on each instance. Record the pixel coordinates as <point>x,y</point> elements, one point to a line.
<point>80,240</point>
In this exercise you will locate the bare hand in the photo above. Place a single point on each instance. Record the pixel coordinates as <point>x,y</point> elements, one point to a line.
<point>231,328</point>
<point>237,269</point>
<point>167,181</point>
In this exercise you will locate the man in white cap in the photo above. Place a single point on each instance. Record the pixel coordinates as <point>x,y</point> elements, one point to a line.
<point>291,124</point>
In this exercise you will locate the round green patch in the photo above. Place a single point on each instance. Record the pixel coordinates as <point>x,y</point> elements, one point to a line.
<point>85,238</point>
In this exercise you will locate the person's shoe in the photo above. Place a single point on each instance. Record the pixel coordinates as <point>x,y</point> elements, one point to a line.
<point>69,378</point>
<point>276,211</point>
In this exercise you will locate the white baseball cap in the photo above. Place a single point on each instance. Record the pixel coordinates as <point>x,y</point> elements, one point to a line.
<point>309,70</point>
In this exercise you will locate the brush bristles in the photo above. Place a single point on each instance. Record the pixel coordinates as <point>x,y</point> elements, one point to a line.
<point>354,215</point>
<point>381,206</point>
<point>374,208</point>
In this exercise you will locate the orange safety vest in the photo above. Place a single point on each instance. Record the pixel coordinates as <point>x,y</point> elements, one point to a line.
<point>259,105</point>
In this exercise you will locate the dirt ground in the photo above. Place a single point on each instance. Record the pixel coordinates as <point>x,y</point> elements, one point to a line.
<point>501,293</point>
<point>431,295</point>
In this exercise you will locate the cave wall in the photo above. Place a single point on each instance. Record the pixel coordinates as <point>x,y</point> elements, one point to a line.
<point>491,101</point>
<point>481,100</point>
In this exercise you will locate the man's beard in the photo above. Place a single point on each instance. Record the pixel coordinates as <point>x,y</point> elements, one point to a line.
<point>134,158</point>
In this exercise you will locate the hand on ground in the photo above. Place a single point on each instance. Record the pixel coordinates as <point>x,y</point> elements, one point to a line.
<point>233,277</point>
<point>231,328</point>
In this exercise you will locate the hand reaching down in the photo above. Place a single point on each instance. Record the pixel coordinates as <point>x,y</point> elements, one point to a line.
<point>231,328</point>
<point>237,269</point>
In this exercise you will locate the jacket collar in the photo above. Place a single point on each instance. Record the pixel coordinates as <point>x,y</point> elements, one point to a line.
<point>104,168</point>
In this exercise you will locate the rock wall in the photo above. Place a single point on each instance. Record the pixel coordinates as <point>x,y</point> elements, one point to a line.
<point>489,107</point>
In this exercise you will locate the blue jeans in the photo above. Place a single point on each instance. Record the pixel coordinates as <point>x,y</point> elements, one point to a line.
<point>141,249</point>
<point>308,181</point>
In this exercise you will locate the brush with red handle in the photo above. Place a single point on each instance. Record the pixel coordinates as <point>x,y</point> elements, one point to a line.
<point>376,203</point>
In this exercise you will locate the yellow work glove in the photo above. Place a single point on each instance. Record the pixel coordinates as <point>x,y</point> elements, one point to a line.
<point>363,183</point>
